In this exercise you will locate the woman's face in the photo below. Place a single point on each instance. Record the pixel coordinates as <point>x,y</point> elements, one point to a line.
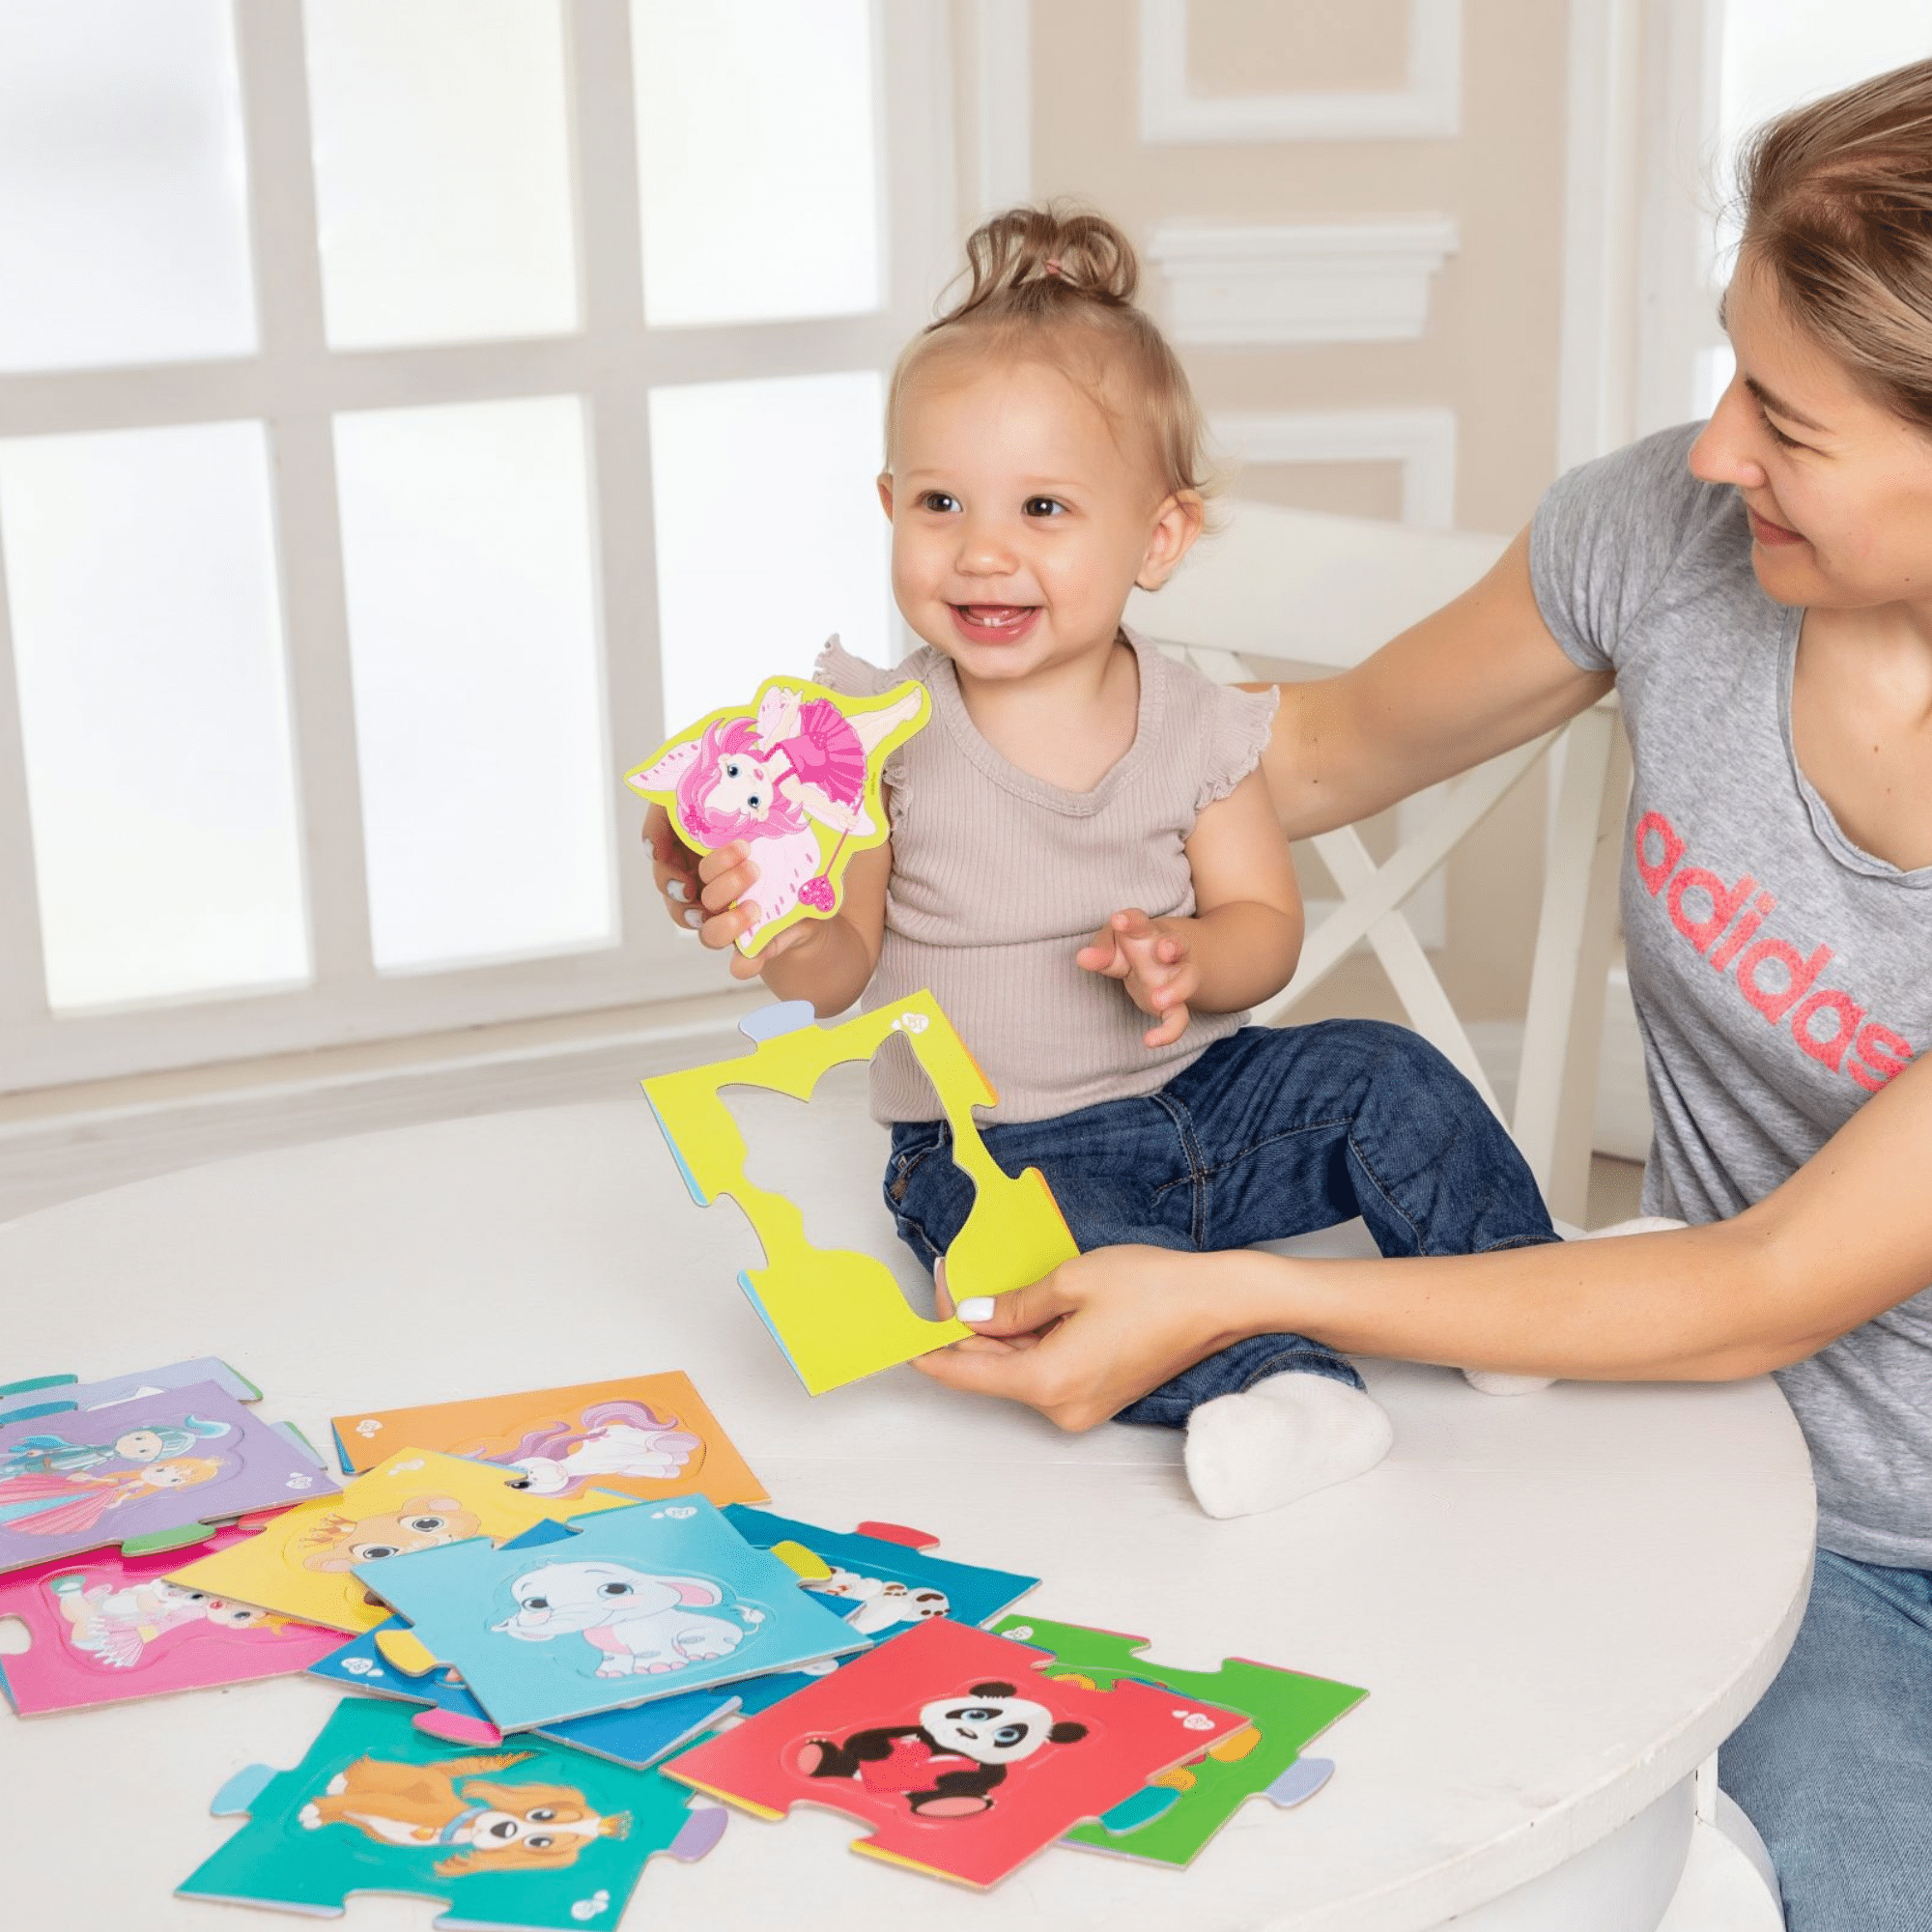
<point>1838,488</point>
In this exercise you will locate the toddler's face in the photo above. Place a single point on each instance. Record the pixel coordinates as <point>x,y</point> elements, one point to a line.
<point>1019,523</point>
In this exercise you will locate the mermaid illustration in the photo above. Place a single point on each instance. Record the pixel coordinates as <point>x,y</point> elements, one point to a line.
<point>613,1438</point>
<point>771,778</point>
<point>113,1621</point>
<point>42,1503</point>
<point>56,1456</point>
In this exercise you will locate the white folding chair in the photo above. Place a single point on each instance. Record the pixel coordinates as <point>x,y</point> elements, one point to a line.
<point>1324,591</point>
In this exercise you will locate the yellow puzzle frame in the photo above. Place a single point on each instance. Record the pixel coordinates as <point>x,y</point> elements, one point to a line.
<point>837,1314</point>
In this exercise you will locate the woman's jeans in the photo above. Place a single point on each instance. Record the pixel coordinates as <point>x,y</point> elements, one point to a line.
<point>1835,1764</point>
<point>1273,1131</point>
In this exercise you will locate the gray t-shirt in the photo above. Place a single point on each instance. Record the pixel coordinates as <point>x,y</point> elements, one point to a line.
<point>1779,971</point>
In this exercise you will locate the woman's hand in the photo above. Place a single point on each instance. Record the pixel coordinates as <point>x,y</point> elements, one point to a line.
<point>1096,1334</point>
<point>674,868</point>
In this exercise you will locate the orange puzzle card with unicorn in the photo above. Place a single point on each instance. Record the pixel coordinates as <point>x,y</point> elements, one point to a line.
<point>304,1562</point>
<point>646,1437</point>
<point>950,1743</point>
<point>797,775</point>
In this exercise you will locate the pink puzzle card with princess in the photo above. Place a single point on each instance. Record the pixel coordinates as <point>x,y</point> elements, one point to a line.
<point>797,774</point>
<point>103,1628</point>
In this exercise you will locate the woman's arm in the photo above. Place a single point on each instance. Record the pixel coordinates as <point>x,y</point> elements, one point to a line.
<point>1480,675</point>
<point>1846,1237</point>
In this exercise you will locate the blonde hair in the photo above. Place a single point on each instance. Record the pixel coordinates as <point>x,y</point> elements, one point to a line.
<point>1055,277</point>
<point>1838,212</point>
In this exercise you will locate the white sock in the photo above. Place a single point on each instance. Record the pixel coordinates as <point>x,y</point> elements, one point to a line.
<point>1494,1382</point>
<point>1280,1441</point>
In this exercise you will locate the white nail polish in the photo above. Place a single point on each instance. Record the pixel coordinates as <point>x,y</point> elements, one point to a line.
<point>677,889</point>
<point>693,918</point>
<point>977,1308</point>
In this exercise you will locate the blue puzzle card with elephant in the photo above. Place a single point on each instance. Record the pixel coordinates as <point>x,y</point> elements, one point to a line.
<point>641,1603</point>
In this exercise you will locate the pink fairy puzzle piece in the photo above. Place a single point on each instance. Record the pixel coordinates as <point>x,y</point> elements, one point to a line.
<point>797,775</point>
<point>106,1629</point>
<point>949,1743</point>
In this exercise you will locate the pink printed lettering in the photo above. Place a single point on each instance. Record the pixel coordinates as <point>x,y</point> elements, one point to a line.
<point>1724,903</point>
<point>1878,1057</point>
<point>1654,871</point>
<point>1762,909</point>
<point>1849,1016</point>
<point>1799,974</point>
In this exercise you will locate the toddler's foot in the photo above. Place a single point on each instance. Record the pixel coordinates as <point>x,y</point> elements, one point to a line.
<point>1282,1439</point>
<point>1494,1382</point>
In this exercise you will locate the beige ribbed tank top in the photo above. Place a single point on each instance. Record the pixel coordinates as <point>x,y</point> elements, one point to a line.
<point>999,879</point>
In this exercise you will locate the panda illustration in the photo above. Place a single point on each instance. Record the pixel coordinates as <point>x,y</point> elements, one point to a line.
<point>946,1764</point>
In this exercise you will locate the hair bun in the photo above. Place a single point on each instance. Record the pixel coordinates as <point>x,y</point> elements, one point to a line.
<point>1048,253</point>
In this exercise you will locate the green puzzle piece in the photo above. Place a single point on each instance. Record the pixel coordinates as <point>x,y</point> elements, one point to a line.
<point>1288,1710</point>
<point>527,1837</point>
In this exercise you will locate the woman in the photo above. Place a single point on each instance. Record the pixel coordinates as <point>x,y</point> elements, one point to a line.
<point>1760,591</point>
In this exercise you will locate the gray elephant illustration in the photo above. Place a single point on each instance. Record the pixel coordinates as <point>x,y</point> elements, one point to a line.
<point>640,1623</point>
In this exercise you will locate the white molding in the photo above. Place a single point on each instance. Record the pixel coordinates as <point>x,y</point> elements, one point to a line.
<point>1422,440</point>
<point>1003,102</point>
<point>1353,281</point>
<point>1428,106</point>
<point>1601,170</point>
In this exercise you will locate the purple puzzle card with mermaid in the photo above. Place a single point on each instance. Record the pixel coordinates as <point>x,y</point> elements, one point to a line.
<point>797,775</point>
<point>104,1628</point>
<point>146,1474</point>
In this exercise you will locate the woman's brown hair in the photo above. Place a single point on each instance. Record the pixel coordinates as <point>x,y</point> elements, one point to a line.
<point>1070,277</point>
<point>1838,210</point>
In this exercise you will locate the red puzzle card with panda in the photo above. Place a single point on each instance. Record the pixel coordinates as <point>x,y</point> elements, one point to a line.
<point>948,1744</point>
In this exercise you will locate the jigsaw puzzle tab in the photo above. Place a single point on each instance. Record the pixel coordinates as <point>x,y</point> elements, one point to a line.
<point>150,1473</point>
<point>837,1314</point>
<point>891,1581</point>
<point>964,1756</point>
<point>639,1605</point>
<point>1171,1817</point>
<point>645,1437</point>
<point>302,1561</point>
<point>530,1838</point>
<point>52,1395</point>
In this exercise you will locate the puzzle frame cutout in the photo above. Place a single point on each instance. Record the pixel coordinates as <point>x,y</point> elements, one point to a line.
<point>956,1747</point>
<point>1171,1818</point>
<point>456,1829</point>
<point>301,1561</point>
<point>58,1394</point>
<point>665,1598</point>
<point>802,869</point>
<point>837,1314</point>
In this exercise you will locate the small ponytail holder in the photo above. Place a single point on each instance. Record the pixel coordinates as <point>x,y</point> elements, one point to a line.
<point>1053,269</point>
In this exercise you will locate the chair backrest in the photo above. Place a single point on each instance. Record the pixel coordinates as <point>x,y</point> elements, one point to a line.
<point>1319,590</point>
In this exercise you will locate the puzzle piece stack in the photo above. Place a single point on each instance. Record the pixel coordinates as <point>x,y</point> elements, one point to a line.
<point>568,1619</point>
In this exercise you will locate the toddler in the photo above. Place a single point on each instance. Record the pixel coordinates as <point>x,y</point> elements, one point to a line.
<point>1086,868</point>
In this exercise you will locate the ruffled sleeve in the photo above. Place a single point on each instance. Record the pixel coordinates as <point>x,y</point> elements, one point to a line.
<point>837,670</point>
<point>1238,732</point>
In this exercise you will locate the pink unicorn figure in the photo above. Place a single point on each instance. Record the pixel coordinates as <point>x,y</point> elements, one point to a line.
<point>769,779</point>
<point>613,1438</point>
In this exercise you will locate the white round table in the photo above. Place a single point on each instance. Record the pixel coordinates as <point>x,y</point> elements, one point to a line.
<point>1560,1604</point>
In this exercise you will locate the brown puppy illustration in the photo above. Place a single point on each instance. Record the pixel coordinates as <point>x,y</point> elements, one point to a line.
<point>490,1827</point>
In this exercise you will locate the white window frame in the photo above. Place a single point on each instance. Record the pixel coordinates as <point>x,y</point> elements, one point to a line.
<point>294,384</point>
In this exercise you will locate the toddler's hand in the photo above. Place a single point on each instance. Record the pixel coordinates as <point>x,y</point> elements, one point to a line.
<point>728,906</point>
<point>674,868</point>
<point>1153,959</point>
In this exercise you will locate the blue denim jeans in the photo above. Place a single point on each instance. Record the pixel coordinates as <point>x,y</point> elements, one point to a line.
<point>1273,1131</point>
<point>1835,1764</point>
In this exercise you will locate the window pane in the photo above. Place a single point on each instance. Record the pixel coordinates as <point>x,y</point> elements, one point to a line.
<point>479,721</point>
<point>744,590</point>
<point>123,198</point>
<point>442,173</point>
<point>147,634</point>
<point>758,154</point>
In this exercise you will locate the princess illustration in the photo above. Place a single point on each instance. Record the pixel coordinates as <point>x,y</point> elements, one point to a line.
<point>799,773</point>
<point>613,1438</point>
<point>55,1456</point>
<point>45,1504</point>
